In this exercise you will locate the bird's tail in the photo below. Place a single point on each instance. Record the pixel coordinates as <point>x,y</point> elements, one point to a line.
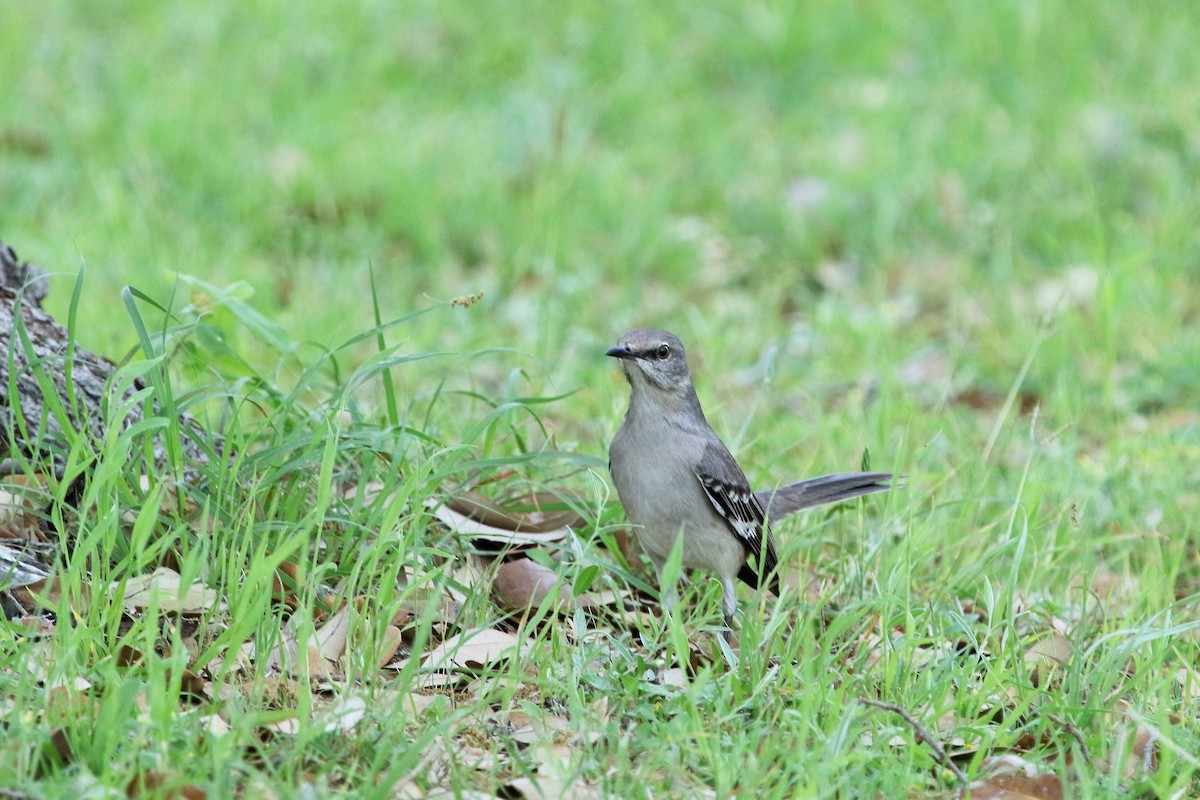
<point>794,497</point>
<point>809,493</point>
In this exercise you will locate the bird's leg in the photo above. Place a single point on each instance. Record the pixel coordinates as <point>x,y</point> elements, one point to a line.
<point>728,605</point>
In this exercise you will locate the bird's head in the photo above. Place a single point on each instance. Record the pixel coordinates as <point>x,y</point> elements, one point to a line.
<point>653,359</point>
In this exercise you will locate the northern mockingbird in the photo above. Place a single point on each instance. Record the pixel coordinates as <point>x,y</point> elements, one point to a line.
<point>677,479</point>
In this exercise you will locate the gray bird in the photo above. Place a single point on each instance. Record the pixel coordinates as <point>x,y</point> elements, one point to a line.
<point>676,478</point>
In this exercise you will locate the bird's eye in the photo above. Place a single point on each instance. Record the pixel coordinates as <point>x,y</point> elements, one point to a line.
<point>663,351</point>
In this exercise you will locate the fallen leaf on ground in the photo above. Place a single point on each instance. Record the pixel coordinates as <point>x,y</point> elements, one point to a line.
<point>523,584</point>
<point>215,725</point>
<point>1018,787</point>
<point>673,676</point>
<point>545,788</point>
<point>164,589</point>
<point>306,662</point>
<point>466,574</point>
<point>540,512</point>
<point>436,680</point>
<point>473,650</point>
<point>415,704</point>
<point>345,714</point>
<point>1047,654</point>
<point>193,687</point>
<point>477,517</point>
<point>162,785</point>
<point>527,728</point>
<point>422,600</point>
<point>633,554</point>
<point>289,726</point>
<point>20,568</point>
<point>286,584</point>
<point>20,498</point>
<point>389,645</point>
<point>331,637</point>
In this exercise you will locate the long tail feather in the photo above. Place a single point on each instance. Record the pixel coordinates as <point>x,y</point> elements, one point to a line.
<point>819,491</point>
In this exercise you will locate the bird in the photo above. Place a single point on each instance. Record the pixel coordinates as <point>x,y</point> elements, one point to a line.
<point>676,478</point>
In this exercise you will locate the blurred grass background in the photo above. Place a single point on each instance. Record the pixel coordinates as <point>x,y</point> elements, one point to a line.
<point>850,182</point>
<point>874,201</point>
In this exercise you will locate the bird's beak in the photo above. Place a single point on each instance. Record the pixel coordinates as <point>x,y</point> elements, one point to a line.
<point>620,351</point>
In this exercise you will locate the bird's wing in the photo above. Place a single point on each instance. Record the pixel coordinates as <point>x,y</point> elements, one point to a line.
<point>727,489</point>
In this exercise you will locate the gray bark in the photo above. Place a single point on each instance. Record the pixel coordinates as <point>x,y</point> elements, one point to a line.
<point>23,287</point>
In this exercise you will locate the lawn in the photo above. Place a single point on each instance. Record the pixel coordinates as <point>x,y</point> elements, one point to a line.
<point>959,241</point>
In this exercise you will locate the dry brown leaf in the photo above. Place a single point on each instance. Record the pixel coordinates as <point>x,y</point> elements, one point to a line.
<point>513,530</point>
<point>65,703</point>
<point>48,593</point>
<point>215,725</point>
<point>163,589</point>
<point>20,497</point>
<point>1143,759</point>
<point>599,707</point>
<point>371,492</point>
<point>1048,653</point>
<point>389,645</point>
<point>474,650</point>
<point>466,574</point>
<point>673,676</point>
<point>554,757</point>
<point>522,585</point>
<point>38,627</point>
<point>129,656</point>
<point>193,687</point>
<point>437,680</point>
<point>331,637</point>
<point>345,714</point>
<point>981,398</point>
<point>286,584</point>
<point>1112,589</point>
<point>1018,787</point>
<point>288,726</point>
<point>162,785</point>
<point>632,552</point>
<point>289,584</point>
<point>421,600</point>
<point>307,663</point>
<point>529,728</point>
<point>539,512</point>
<point>59,749</point>
<point>546,788</point>
<point>484,759</point>
<point>415,704</point>
<point>314,667</point>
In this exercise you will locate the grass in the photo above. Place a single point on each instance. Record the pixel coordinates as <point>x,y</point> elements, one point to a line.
<point>890,229</point>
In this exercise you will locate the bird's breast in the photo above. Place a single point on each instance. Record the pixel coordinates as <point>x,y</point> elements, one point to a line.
<point>657,484</point>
